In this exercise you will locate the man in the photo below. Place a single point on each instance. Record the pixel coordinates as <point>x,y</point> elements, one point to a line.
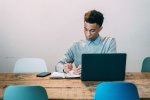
<point>94,43</point>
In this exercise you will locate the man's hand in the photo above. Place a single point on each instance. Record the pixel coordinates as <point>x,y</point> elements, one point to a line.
<point>77,70</point>
<point>68,67</point>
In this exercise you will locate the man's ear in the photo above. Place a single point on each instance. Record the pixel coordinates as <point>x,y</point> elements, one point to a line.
<point>100,28</point>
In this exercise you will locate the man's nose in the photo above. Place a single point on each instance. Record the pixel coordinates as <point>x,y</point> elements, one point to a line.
<point>88,33</point>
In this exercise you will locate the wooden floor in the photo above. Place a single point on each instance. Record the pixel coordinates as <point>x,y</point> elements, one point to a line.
<point>71,88</point>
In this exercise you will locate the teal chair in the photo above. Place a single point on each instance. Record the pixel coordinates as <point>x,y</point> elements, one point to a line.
<point>116,91</point>
<point>30,65</point>
<point>146,65</point>
<point>25,93</point>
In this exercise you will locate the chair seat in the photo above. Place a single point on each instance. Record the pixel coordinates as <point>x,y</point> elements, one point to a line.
<point>146,65</point>
<point>30,65</point>
<point>25,93</point>
<point>116,91</point>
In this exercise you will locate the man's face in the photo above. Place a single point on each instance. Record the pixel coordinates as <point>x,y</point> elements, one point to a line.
<point>91,31</point>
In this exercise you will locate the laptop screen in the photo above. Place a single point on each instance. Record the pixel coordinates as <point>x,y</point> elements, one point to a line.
<point>103,67</point>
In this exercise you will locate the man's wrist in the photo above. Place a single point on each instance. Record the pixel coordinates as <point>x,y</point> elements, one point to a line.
<point>64,71</point>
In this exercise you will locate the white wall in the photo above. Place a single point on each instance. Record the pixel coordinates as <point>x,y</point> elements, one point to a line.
<point>47,28</point>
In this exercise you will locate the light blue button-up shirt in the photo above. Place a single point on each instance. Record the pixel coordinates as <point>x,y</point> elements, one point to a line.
<point>73,55</point>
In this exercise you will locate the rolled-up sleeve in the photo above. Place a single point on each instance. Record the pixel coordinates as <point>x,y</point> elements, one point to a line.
<point>68,58</point>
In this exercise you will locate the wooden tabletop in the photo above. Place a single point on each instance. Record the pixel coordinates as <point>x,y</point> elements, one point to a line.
<point>71,88</point>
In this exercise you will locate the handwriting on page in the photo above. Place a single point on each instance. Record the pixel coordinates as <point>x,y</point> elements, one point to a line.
<point>64,75</point>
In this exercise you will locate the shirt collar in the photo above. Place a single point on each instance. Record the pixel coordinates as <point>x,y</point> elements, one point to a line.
<point>95,42</point>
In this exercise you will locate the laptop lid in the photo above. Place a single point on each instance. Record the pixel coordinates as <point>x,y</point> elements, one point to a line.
<point>103,67</point>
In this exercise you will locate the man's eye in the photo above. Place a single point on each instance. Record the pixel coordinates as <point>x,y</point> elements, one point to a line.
<point>92,30</point>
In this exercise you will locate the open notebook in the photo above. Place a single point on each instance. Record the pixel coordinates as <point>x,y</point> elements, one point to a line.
<point>64,75</point>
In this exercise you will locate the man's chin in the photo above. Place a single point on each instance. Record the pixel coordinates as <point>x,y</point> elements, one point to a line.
<point>91,39</point>
<point>88,38</point>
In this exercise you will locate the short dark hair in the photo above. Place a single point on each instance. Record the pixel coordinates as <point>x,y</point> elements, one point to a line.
<point>94,16</point>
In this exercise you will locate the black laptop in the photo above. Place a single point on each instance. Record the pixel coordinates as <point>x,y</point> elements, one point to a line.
<point>103,67</point>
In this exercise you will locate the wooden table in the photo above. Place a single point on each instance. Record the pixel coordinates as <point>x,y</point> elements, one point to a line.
<point>71,88</point>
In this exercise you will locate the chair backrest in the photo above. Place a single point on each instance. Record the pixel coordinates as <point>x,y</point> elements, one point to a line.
<point>25,93</point>
<point>146,65</point>
<point>30,65</point>
<point>116,91</point>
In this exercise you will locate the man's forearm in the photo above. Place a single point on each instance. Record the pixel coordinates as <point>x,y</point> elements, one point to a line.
<point>59,67</point>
